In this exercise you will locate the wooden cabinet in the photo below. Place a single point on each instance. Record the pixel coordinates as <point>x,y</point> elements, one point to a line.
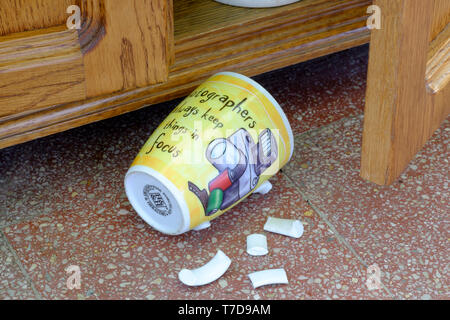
<point>131,53</point>
<point>121,45</point>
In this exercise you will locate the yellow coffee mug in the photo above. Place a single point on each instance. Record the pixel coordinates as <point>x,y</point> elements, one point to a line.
<point>220,144</point>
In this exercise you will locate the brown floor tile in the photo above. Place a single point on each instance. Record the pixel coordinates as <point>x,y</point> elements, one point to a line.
<point>403,228</point>
<point>121,257</point>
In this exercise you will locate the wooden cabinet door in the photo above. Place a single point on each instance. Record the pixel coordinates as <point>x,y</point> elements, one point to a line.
<point>120,45</point>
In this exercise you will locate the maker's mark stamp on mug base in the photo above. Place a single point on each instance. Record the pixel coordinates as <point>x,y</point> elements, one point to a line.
<point>157,200</point>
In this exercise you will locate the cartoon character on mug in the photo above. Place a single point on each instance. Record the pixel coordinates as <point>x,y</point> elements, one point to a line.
<point>239,162</point>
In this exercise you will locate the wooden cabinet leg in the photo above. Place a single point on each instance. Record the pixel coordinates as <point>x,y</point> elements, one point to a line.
<point>402,111</point>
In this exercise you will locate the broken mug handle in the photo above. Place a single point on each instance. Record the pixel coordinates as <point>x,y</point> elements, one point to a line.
<point>264,188</point>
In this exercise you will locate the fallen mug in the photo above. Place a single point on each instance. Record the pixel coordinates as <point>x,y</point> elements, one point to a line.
<point>220,144</point>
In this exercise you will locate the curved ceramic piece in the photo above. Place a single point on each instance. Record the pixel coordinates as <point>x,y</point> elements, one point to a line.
<point>208,273</point>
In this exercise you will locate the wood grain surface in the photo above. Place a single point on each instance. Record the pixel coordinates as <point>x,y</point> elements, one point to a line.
<point>27,15</point>
<point>400,113</point>
<point>437,74</point>
<point>40,69</point>
<point>228,38</point>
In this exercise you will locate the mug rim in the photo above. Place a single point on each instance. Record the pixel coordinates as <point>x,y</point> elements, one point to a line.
<point>271,99</point>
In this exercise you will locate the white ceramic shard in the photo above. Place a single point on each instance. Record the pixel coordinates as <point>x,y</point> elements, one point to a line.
<point>264,188</point>
<point>257,244</point>
<point>202,226</point>
<point>287,227</point>
<point>270,276</point>
<point>207,273</point>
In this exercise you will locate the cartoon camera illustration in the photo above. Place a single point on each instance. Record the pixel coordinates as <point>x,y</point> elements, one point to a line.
<point>239,162</point>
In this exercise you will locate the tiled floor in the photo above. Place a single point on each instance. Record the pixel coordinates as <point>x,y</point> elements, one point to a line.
<point>62,203</point>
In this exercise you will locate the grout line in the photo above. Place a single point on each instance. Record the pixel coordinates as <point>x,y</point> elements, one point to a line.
<point>21,268</point>
<point>340,238</point>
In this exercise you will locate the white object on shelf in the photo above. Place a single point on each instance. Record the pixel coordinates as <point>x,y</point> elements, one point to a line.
<point>257,245</point>
<point>287,227</point>
<point>270,276</point>
<point>208,273</point>
<point>257,3</point>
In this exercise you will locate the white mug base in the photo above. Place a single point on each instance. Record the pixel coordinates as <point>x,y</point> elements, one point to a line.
<point>157,200</point>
